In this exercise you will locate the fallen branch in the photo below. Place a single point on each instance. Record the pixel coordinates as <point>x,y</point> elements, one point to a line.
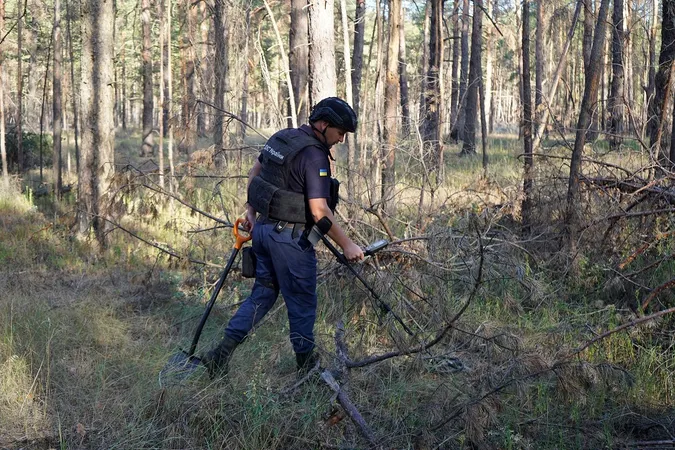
<point>630,324</point>
<point>349,407</point>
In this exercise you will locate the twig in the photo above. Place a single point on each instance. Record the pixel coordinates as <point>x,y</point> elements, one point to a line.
<point>630,324</point>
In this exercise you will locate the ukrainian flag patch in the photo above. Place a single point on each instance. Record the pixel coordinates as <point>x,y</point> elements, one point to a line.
<point>323,172</point>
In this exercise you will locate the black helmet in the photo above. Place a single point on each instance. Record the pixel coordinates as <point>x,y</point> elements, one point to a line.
<point>336,112</point>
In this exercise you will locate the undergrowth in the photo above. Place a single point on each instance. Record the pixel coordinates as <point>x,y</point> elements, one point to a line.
<point>85,333</point>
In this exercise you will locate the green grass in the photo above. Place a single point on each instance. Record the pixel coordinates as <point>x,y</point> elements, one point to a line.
<point>84,334</point>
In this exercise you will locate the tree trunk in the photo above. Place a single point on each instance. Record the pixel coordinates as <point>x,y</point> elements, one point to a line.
<point>391,101</point>
<point>458,132</point>
<point>454,96</point>
<point>592,132</point>
<point>322,78</point>
<point>299,57</point>
<point>526,91</point>
<point>651,74</point>
<point>168,76</point>
<point>357,58</point>
<point>585,115</point>
<point>615,101</point>
<point>162,37</point>
<point>148,144</point>
<point>74,97</point>
<point>19,90</point>
<point>244,85</point>
<point>539,63</point>
<point>469,147</point>
<point>204,71</point>
<point>486,100</point>
<point>351,148</point>
<point>3,149</point>
<point>431,121</point>
<point>57,99</point>
<point>188,99</point>
<point>220,74</point>
<point>403,75</point>
<point>97,167</point>
<point>662,83</point>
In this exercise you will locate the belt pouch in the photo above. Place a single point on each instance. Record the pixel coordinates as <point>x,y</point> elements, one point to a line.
<point>248,262</point>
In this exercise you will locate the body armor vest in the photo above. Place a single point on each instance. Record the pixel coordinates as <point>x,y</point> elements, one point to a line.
<point>269,192</point>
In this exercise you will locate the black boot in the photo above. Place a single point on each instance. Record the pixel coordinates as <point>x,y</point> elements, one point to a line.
<point>306,361</point>
<point>217,359</point>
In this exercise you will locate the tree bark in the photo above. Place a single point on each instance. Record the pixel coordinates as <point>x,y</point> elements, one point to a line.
<point>454,96</point>
<point>162,37</point>
<point>299,57</point>
<point>57,99</point>
<point>432,120</point>
<point>403,75</point>
<point>74,97</point>
<point>391,101</point>
<point>585,117</point>
<point>322,78</point>
<point>539,63</point>
<point>351,147</point>
<point>526,92</point>
<point>220,74</point>
<point>357,58</point>
<point>148,144</point>
<point>19,91</point>
<point>458,132</point>
<point>662,82</point>
<point>469,147</point>
<point>3,149</point>
<point>615,101</point>
<point>97,167</point>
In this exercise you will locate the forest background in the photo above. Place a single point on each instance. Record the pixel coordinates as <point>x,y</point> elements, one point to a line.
<point>517,156</point>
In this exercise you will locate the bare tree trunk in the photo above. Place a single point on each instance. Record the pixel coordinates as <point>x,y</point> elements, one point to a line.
<point>403,75</point>
<point>357,58</point>
<point>527,121</point>
<point>189,99</point>
<point>539,63</point>
<point>322,78</point>
<point>592,132</point>
<point>651,75</point>
<point>204,70</point>
<point>351,147</point>
<point>57,99</point>
<point>615,101</point>
<point>486,100</point>
<point>168,98</point>
<point>662,82</point>
<point>454,96</point>
<point>469,147</point>
<point>19,90</point>
<point>162,37</point>
<point>391,101</point>
<point>148,144</point>
<point>97,167</point>
<point>431,120</point>
<point>299,57</point>
<point>3,149</point>
<point>244,88</point>
<point>585,115</point>
<point>74,97</point>
<point>220,73</point>
<point>458,132</point>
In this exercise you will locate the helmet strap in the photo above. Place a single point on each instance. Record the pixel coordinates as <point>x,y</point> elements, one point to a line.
<point>325,140</point>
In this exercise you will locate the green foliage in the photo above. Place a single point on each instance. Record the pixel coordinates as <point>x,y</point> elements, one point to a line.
<point>35,148</point>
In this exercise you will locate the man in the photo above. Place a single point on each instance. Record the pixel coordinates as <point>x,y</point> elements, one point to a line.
<point>289,190</point>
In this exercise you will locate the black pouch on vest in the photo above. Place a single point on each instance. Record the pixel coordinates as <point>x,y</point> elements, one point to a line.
<point>248,262</point>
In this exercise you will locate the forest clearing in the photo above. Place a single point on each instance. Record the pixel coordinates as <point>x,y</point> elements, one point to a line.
<point>516,157</point>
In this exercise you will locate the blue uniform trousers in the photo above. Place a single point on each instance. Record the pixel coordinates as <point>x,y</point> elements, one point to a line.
<point>282,265</point>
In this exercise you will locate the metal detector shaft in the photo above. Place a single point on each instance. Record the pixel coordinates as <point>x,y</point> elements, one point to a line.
<point>340,257</point>
<point>235,250</point>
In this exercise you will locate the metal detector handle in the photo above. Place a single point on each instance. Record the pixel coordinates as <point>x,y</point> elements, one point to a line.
<point>343,259</point>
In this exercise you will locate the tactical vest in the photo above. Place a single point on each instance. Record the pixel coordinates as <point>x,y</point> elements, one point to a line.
<point>269,193</point>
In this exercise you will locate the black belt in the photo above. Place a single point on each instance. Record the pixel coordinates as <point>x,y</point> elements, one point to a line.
<point>281,225</point>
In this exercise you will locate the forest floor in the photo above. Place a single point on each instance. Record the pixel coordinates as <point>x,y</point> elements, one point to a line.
<point>521,361</point>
